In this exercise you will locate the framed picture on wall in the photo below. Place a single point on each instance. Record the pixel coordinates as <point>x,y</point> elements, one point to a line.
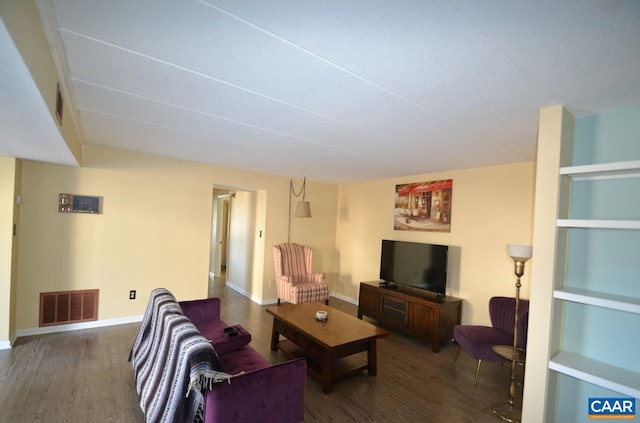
<point>423,206</point>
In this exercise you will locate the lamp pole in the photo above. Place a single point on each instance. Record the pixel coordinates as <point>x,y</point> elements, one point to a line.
<point>508,412</point>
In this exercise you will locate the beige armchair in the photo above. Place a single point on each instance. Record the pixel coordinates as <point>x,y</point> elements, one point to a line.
<point>294,279</point>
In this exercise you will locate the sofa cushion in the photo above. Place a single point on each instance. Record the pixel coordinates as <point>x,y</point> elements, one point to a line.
<point>202,311</point>
<point>245,359</point>
<point>225,341</point>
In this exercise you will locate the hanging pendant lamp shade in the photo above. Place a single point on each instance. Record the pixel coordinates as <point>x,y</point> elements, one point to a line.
<point>303,209</point>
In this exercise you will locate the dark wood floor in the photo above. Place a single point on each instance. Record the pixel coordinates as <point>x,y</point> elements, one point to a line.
<point>84,376</point>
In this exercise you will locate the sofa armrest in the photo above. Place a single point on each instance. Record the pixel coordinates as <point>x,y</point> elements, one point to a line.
<point>201,311</point>
<point>273,394</point>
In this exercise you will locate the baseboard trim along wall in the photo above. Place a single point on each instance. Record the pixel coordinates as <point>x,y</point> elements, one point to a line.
<point>251,297</point>
<point>347,299</point>
<point>77,326</point>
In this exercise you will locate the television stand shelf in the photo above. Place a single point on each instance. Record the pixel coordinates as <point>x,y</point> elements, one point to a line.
<point>424,315</point>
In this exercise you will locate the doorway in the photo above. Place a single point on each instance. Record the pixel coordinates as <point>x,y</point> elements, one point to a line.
<point>237,241</point>
<point>220,226</point>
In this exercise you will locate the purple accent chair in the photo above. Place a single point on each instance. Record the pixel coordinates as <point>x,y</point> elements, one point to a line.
<point>477,341</point>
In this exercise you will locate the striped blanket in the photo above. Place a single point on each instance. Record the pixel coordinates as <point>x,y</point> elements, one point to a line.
<point>172,363</point>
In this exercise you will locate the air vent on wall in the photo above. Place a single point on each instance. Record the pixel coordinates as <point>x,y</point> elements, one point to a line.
<point>57,308</point>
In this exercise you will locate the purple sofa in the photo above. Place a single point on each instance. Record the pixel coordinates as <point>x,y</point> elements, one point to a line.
<point>188,365</point>
<point>265,392</point>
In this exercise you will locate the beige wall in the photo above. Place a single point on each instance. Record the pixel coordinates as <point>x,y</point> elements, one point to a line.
<point>246,247</point>
<point>155,230</point>
<point>14,259</point>
<point>491,207</point>
<point>8,172</point>
<point>555,136</point>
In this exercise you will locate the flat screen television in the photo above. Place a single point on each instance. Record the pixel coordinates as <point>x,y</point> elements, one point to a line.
<point>416,265</point>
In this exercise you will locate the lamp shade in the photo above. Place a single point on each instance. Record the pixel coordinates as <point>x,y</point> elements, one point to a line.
<point>303,209</point>
<point>520,252</point>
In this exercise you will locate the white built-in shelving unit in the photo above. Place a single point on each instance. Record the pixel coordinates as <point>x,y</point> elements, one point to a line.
<point>597,373</point>
<point>600,313</point>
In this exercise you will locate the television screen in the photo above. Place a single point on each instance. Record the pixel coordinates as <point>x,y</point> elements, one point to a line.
<point>413,264</point>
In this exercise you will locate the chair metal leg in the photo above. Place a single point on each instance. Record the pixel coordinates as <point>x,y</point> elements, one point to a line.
<point>475,382</point>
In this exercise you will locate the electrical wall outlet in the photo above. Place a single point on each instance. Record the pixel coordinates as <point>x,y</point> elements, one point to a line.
<point>270,284</point>
<point>132,294</point>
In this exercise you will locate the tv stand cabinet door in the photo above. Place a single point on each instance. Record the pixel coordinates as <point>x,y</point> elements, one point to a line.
<point>422,321</point>
<point>435,322</point>
<point>370,302</point>
<point>394,311</point>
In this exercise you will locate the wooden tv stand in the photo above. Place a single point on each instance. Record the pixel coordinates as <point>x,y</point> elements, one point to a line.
<point>424,315</point>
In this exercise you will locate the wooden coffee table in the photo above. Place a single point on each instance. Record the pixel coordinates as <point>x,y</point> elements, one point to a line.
<point>329,346</point>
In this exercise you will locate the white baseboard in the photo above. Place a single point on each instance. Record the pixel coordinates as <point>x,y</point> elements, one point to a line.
<point>5,345</point>
<point>269,301</point>
<point>78,326</point>
<point>251,297</point>
<point>347,299</point>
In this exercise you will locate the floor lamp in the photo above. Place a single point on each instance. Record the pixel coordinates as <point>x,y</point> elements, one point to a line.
<point>508,412</point>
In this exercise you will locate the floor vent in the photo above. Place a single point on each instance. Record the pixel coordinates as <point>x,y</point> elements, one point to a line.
<point>58,308</point>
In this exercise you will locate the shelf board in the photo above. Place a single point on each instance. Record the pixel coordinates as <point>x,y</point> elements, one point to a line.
<point>598,224</point>
<point>610,301</point>
<point>603,171</point>
<point>597,373</point>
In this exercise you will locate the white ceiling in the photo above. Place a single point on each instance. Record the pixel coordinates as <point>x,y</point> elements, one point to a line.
<point>340,91</point>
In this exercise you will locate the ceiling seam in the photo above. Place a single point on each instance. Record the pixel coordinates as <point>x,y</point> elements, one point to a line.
<point>194,72</point>
<point>251,159</point>
<point>186,131</point>
<point>295,137</point>
<point>204,114</point>
<point>486,138</point>
<point>320,58</point>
